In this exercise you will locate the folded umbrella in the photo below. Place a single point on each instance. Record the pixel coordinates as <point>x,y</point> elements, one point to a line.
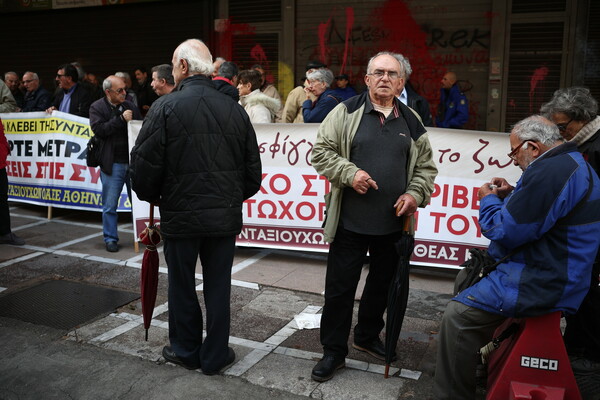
<point>149,276</point>
<point>398,294</point>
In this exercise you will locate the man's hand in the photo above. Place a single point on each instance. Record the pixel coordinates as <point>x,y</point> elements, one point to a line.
<point>127,115</point>
<point>50,109</point>
<point>363,182</point>
<point>503,187</point>
<point>408,207</point>
<point>498,186</point>
<point>486,189</point>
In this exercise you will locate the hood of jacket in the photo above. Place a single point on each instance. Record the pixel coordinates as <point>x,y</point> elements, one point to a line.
<point>257,97</point>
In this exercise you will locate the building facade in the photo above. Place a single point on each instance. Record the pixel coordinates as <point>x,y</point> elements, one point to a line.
<point>509,55</point>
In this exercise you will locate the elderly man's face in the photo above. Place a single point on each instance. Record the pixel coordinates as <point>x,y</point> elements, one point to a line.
<point>30,83</point>
<point>64,82</point>
<point>384,79</point>
<point>158,84</point>
<point>117,93</point>
<point>12,81</point>
<point>522,153</point>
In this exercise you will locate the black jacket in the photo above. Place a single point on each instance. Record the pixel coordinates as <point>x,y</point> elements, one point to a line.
<point>419,104</point>
<point>197,156</point>
<point>81,99</point>
<point>226,88</point>
<point>109,126</point>
<point>39,100</point>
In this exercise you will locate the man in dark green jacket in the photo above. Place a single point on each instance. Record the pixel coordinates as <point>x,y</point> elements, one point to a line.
<point>376,154</point>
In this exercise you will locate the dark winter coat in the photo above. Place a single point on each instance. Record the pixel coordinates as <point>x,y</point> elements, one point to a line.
<point>109,126</point>
<point>197,156</point>
<point>81,99</point>
<point>224,86</point>
<point>419,104</point>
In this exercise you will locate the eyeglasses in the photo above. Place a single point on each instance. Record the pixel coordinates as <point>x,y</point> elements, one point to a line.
<point>119,90</point>
<point>513,153</point>
<point>378,74</point>
<point>28,80</point>
<point>60,75</point>
<point>563,127</point>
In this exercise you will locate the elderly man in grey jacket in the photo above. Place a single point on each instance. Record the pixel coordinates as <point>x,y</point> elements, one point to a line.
<point>376,154</point>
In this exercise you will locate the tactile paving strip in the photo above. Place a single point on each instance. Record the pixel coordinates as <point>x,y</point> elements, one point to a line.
<point>63,304</point>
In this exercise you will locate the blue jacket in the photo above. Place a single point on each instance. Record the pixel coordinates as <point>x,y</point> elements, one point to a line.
<point>318,111</point>
<point>453,111</point>
<point>553,271</point>
<point>344,94</point>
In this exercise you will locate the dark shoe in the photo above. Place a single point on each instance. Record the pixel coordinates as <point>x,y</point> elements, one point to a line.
<point>584,366</point>
<point>112,247</point>
<point>171,357</point>
<point>325,369</point>
<point>230,360</point>
<point>11,238</point>
<point>375,348</point>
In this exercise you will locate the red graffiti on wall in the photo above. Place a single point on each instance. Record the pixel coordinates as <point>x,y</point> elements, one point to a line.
<point>258,53</point>
<point>408,38</point>
<point>322,31</point>
<point>538,76</point>
<point>226,29</point>
<point>349,24</point>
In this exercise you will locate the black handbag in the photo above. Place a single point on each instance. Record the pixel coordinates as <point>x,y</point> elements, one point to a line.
<point>95,147</point>
<point>475,268</point>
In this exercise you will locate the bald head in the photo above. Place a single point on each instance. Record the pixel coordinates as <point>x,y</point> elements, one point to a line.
<point>191,57</point>
<point>31,81</point>
<point>448,80</point>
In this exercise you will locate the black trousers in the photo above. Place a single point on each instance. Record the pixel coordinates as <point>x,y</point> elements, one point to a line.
<point>185,314</point>
<point>344,264</point>
<point>582,334</point>
<point>4,211</point>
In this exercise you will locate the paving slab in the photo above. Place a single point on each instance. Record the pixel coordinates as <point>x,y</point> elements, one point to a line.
<point>277,304</point>
<point>284,373</point>
<point>350,384</point>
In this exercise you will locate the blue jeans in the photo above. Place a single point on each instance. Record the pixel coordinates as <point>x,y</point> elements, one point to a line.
<point>112,185</point>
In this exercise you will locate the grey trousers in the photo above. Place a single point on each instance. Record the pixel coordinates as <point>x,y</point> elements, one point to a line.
<point>463,332</point>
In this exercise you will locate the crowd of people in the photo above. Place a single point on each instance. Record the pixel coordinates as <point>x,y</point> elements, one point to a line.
<point>374,149</point>
<point>319,93</point>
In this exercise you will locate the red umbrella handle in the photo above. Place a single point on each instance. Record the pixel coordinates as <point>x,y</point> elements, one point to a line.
<point>151,214</point>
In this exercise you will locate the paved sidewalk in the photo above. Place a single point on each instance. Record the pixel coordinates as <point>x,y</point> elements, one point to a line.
<point>107,357</point>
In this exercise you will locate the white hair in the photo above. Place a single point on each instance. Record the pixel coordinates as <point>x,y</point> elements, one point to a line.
<point>197,64</point>
<point>124,75</point>
<point>405,65</point>
<point>539,129</point>
<point>322,74</point>
<point>386,53</point>
<point>34,76</point>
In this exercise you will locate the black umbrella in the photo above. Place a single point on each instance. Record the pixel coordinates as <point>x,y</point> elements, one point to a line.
<point>398,294</point>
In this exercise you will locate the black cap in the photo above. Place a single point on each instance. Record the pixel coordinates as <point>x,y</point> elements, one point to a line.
<point>315,65</point>
<point>341,76</point>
